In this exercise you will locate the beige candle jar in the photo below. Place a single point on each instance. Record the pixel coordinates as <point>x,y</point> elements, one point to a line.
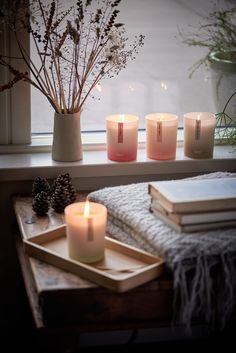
<point>161,130</point>
<point>199,130</point>
<point>86,232</point>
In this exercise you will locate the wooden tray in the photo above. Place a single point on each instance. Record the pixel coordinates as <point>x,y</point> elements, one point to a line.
<point>123,267</point>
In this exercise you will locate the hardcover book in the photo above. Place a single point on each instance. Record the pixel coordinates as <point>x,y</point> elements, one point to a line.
<point>194,227</point>
<point>196,217</point>
<point>188,196</point>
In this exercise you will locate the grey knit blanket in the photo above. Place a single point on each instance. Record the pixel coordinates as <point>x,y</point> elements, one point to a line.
<point>201,254</point>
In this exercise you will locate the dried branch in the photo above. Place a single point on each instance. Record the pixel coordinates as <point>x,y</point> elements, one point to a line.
<point>76,47</point>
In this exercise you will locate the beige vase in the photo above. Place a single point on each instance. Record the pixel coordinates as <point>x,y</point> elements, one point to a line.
<point>67,146</point>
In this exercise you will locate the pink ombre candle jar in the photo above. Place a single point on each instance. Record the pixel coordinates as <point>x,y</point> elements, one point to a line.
<point>122,137</point>
<point>161,130</point>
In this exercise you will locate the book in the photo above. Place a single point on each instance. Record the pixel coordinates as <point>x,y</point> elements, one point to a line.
<point>197,217</point>
<point>194,227</point>
<point>188,196</point>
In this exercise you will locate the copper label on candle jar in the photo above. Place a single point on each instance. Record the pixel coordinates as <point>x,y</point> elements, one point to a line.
<point>198,129</point>
<point>159,131</point>
<point>120,132</point>
<point>90,229</point>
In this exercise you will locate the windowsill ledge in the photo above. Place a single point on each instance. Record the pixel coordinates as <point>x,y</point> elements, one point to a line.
<point>26,166</point>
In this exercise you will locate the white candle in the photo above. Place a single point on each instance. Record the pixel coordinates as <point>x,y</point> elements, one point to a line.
<point>122,137</point>
<point>199,129</point>
<point>161,129</point>
<point>85,229</point>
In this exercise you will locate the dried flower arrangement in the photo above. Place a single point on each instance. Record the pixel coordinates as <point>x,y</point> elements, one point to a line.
<point>76,47</point>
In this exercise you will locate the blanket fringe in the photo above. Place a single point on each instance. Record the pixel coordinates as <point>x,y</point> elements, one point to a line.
<point>194,296</point>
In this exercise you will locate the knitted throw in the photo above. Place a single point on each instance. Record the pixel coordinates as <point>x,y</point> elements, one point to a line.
<point>202,253</point>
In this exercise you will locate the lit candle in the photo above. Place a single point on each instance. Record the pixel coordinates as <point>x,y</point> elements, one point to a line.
<point>122,137</point>
<point>161,129</point>
<point>199,129</point>
<point>85,229</point>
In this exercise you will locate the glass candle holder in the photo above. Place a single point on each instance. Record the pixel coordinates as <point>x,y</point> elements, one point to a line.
<point>199,130</point>
<point>85,229</point>
<point>161,130</point>
<point>122,137</point>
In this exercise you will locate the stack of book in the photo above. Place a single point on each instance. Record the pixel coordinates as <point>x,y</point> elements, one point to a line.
<point>194,205</point>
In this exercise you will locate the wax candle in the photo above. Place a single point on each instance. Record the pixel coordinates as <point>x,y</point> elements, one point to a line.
<point>85,229</point>
<point>199,128</point>
<point>122,137</point>
<point>161,129</point>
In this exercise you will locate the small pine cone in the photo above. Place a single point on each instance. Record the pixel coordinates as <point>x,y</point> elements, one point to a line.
<point>65,181</point>
<point>60,199</point>
<point>72,193</point>
<point>62,179</point>
<point>41,203</point>
<point>54,185</point>
<point>40,184</point>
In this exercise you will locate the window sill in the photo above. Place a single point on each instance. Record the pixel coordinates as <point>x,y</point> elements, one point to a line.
<point>91,141</point>
<point>95,170</point>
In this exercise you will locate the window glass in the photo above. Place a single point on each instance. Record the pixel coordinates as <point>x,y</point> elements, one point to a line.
<point>157,80</point>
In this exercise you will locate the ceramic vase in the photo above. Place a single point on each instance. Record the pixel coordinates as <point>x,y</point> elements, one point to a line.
<point>67,146</point>
<point>223,78</point>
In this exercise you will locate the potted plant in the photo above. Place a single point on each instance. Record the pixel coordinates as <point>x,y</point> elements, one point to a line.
<point>76,47</point>
<point>217,34</point>
<point>227,124</point>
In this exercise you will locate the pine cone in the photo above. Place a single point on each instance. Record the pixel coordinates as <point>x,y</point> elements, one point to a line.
<point>72,192</point>
<point>60,199</point>
<point>40,184</point>
<point>41,203</point>
<point>65,181</point>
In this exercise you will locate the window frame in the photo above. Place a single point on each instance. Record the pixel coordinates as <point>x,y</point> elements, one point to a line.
<point>5,95</point>
<point>15,120</point>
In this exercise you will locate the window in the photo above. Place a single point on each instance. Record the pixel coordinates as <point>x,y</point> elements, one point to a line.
<point>158,80</point>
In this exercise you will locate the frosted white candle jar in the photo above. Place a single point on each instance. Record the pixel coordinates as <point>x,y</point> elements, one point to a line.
<point>161,130</point>
<point>199,130</point>
<point>122,137</point>
<point>85,229</point>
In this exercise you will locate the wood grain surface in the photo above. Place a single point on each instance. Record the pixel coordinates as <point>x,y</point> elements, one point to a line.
<point>63,299</point>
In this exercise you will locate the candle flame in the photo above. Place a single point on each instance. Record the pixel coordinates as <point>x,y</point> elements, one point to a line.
<point>86,209</point>
<point>198,117</point>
